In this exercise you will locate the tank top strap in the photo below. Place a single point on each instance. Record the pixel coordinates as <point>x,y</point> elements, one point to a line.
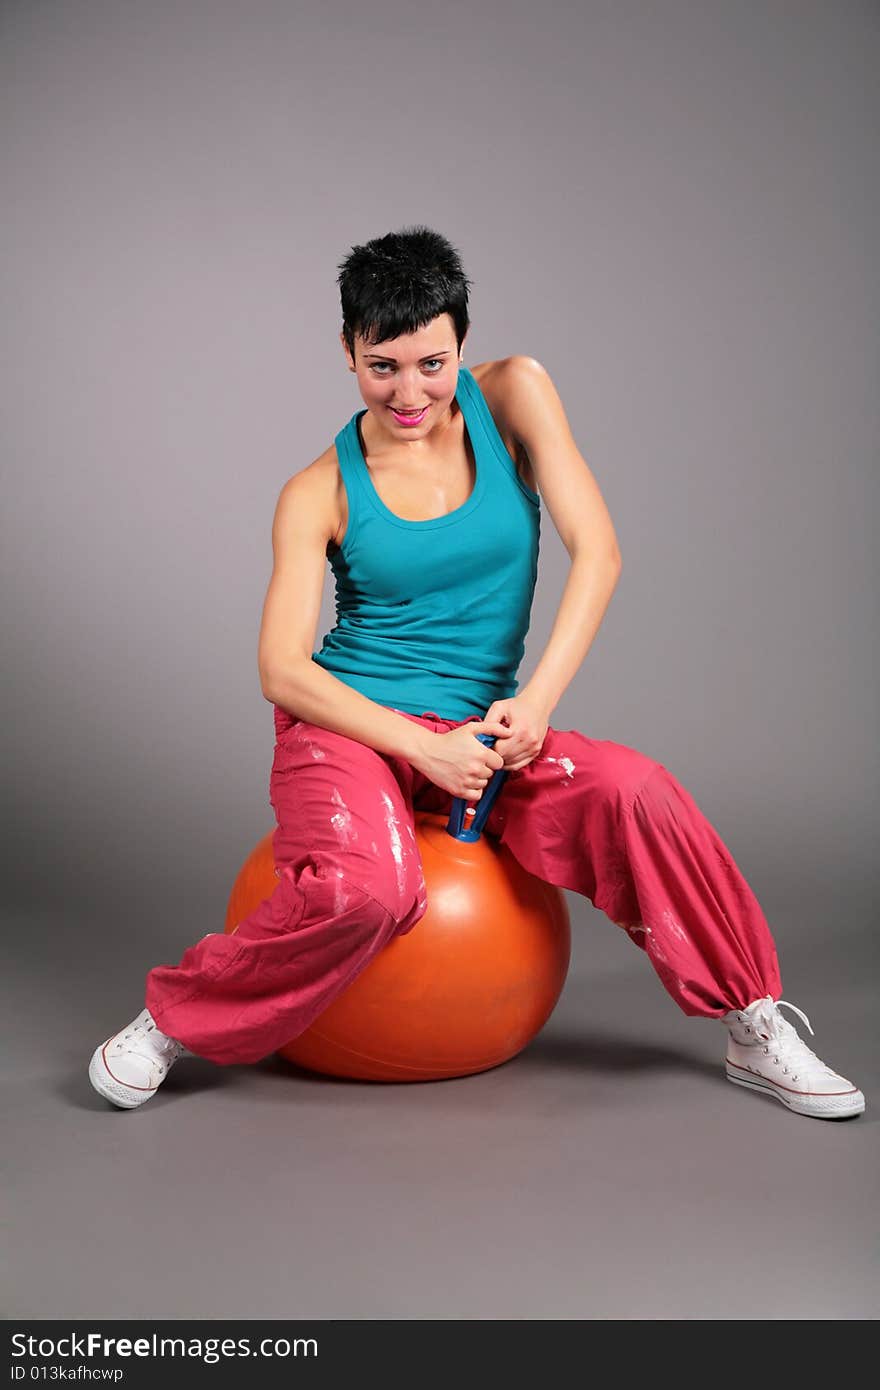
<point>348,456</point>
<point>483,431</point>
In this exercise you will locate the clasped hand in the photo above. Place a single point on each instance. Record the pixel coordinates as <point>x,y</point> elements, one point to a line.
<point>526,728</point>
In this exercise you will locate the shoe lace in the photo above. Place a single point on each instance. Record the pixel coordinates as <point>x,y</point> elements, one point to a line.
<point>780,1040</point>
<point>799,1013</point>
<point>157,1048</point>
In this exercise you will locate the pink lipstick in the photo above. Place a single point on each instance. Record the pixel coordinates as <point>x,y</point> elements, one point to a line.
<point>409,419</point>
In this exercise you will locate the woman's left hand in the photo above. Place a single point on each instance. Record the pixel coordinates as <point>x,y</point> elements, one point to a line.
<point>528,723</point>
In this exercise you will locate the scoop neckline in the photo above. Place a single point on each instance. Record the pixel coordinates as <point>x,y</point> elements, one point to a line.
<point>448,518</point>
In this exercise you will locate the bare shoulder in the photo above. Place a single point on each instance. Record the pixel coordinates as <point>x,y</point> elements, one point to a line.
<point>526,400</point>
<point>518,391</point>
<point>318,491</point>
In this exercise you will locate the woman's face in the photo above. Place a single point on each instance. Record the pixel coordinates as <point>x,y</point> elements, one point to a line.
<point>415,372</point>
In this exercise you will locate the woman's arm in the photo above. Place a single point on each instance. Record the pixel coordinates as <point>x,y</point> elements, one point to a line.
<point>591,582</point>
<point>534,414</point>
<point>305,521</point>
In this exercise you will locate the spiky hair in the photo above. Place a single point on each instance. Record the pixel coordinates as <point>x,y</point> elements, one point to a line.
<point>400,282</point>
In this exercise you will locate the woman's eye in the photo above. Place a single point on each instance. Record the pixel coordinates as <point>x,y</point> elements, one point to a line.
<point>436,362</point>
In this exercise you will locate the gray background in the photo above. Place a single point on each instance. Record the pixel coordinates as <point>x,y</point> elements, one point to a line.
<point>673,206</point>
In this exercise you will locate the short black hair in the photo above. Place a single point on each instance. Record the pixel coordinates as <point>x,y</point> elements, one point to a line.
<point>400,282</point>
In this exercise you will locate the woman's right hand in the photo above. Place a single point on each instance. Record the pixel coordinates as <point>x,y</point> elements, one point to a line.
<point>458,762</point>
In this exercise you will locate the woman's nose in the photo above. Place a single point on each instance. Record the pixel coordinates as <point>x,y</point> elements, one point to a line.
<point>407,390</point>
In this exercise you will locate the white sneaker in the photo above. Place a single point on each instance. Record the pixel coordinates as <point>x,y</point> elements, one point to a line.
<point>765,1053</point>
<point>129,1067</point>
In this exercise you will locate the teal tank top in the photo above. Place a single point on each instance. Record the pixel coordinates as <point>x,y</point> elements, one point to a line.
<point>431,616</point>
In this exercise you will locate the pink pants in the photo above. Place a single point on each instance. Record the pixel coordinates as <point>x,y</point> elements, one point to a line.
<point>587,814</point>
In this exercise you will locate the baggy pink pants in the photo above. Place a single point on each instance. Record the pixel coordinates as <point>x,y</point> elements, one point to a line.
<point>586,814</point>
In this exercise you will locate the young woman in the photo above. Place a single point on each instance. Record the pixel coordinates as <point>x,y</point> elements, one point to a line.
<point>427,506</point>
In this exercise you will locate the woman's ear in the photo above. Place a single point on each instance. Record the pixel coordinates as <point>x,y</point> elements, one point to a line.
<point>348,356</point>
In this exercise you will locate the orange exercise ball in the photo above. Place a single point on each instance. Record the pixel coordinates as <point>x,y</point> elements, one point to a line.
<point>466,989</point>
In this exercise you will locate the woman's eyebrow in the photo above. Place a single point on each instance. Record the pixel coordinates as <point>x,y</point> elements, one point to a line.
<point>444,352</point>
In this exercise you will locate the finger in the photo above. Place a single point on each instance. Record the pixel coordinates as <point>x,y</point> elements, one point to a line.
<point>494,727</point>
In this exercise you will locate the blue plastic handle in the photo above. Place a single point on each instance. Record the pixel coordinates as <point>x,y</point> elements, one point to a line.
<point>456,826</point>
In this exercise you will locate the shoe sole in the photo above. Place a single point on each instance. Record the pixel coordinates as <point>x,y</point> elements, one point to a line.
<point>107,1086</point>
<point>817,1107</point>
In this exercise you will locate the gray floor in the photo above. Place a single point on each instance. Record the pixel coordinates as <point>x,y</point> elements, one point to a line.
<point>608,1172</point>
